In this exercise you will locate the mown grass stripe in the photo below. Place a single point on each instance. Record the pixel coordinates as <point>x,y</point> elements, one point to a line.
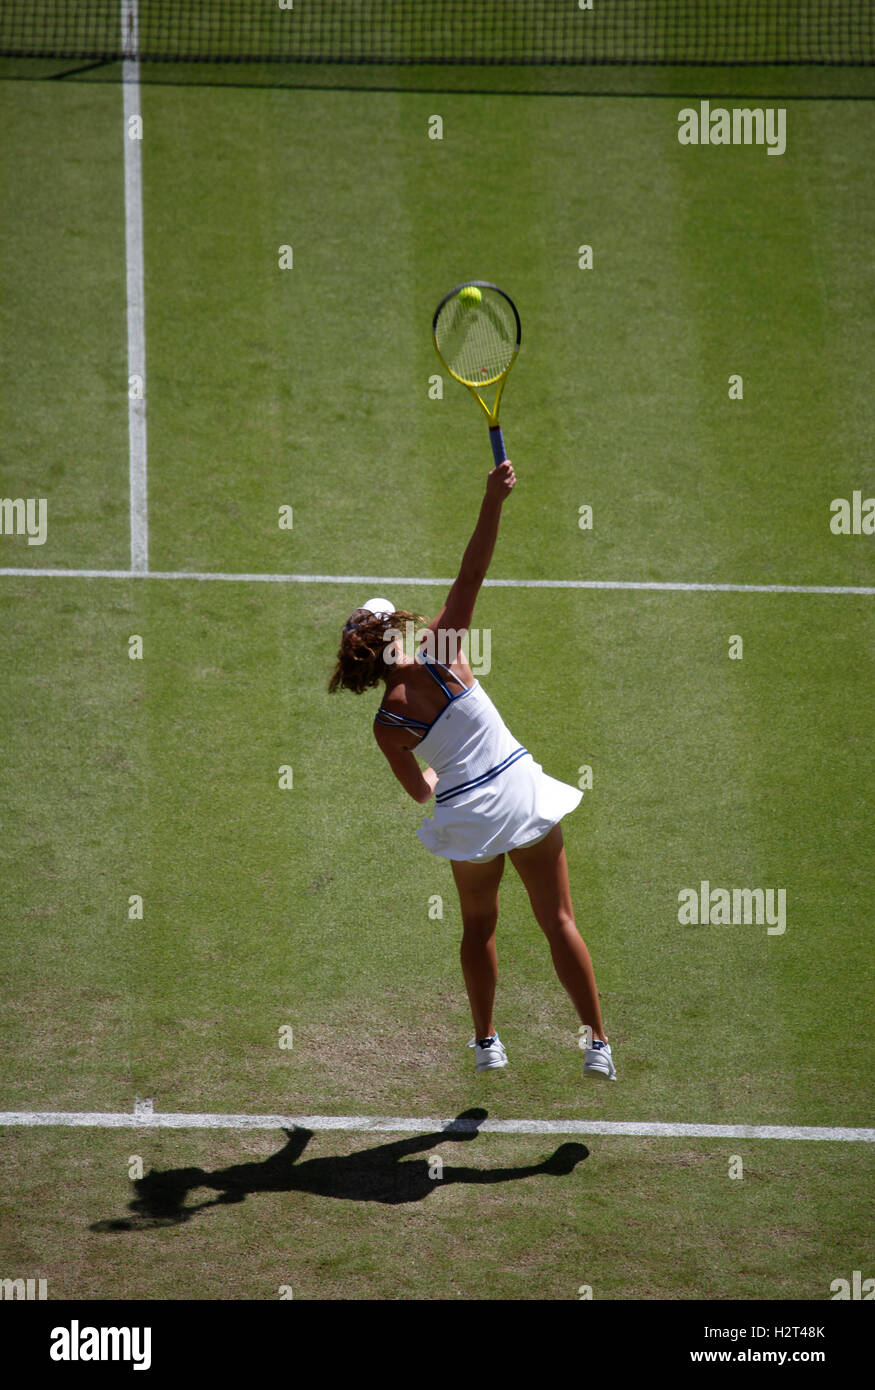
<point>135,278</point>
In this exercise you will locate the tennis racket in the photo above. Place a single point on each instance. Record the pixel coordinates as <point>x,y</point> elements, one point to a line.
<point>476,332</point>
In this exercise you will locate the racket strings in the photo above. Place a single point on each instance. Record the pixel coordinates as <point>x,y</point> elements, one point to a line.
<point>477,341</point>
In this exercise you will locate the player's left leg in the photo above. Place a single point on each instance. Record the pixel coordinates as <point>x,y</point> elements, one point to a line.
<point>477,885</point>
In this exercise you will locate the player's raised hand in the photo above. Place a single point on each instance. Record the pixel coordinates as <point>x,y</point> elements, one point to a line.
<point>501,480</point>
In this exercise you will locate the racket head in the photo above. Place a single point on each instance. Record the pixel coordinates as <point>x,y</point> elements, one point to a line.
<point>477,339</point>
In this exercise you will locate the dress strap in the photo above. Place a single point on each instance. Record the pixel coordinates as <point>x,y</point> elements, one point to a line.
<point>430,665</point>
<point>399,721</point>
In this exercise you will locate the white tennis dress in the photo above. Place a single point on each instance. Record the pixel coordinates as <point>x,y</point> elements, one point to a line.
<point>491,796</point>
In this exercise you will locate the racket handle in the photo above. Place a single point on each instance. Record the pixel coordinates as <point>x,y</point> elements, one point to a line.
<point>496,439</point>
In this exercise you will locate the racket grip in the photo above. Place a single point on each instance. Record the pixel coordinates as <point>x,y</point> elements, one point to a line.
<point>496,439</point>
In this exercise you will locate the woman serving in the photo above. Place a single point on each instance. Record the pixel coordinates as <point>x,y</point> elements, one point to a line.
<point>491,798</point>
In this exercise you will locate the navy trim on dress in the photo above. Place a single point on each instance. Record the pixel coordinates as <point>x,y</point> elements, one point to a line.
<point>483,778</point>
<point>398,721</point>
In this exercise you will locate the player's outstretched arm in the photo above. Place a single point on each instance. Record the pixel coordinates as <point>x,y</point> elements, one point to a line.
<point>458,610</point>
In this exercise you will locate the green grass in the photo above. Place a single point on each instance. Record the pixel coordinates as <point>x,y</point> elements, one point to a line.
<point>636,1219</point>
<point>310,907</point>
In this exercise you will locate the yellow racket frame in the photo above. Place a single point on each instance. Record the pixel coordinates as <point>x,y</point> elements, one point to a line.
<point>491,413</point>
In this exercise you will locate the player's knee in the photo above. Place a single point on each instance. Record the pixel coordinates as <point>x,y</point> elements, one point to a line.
<point>556,922</point>
<point>481,923</point>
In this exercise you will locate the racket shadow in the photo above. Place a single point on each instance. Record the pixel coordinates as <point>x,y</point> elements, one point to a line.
<point>386,1173</point>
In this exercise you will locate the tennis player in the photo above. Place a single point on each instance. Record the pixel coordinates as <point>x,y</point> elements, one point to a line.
<point>491,798</point>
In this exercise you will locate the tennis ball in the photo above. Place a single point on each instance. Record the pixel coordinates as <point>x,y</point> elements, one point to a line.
<point>469,294</point>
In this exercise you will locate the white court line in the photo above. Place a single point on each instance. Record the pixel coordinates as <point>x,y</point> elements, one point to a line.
<point>377,581</point>
<point>392,1124</point>
<point>135,289</point>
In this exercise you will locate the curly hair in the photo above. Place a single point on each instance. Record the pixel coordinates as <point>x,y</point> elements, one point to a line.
<point>360,657</point>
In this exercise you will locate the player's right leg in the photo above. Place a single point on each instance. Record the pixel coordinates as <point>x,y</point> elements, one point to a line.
<point>544,871</point>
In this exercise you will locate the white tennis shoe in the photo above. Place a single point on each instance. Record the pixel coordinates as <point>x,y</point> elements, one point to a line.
<point>490,1053</point>
<point>597,1061</point>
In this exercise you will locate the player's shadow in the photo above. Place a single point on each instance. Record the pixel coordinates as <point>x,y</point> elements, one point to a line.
<point>370,1175</point>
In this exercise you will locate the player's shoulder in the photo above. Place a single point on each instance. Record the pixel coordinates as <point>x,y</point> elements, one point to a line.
<point>394,700</point>
<point>460,668</point>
